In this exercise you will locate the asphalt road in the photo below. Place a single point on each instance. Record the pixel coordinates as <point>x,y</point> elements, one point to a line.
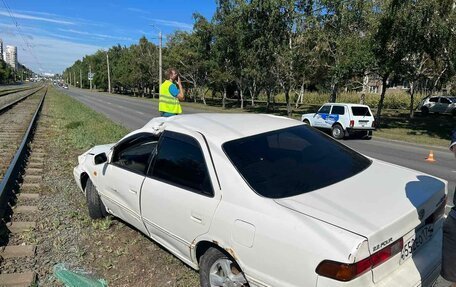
<point>133,113</point>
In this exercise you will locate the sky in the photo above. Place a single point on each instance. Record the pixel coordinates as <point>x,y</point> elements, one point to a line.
<point>51,35</point>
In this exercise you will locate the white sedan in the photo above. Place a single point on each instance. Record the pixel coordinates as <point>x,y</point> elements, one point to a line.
<point>261,200</point>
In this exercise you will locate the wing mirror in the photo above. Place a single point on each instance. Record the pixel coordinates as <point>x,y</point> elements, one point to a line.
<point>100,158</point>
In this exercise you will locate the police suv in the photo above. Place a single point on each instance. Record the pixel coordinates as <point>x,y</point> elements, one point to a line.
<point>342,119</point>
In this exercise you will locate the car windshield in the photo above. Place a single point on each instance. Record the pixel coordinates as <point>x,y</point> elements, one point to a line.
<point>452,99</point>
<point>360,111</point>
<point>292,161</point>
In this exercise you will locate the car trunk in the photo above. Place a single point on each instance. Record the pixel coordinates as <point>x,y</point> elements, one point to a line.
<point>362,117</point>
<point>382,204</point>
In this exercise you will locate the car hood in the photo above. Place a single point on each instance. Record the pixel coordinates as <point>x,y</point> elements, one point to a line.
<point>94,151</point>
<point>382,203</point>
<point>100,148</point>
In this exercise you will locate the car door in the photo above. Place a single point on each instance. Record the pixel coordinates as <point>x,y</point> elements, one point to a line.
<point>179,195</point>
<point>321,116</point>
<point>336,115</point>
<point>444,105</point>
<point>433,104</point>
<point>124,176</point>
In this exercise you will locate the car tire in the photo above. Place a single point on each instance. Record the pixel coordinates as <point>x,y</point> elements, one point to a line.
<point>306,122</point>
<point>217,267</point>
<point>453,113</point>
<point>337,132</point>
<point>424,111</point>
<point>96,207</point>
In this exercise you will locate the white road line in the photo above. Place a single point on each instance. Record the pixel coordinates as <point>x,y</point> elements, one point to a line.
<point>138,112</point>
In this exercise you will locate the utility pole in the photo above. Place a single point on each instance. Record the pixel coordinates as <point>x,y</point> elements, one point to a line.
<point>109,76</point>
<point>80,78</point>
<point>160,60</point>
<point>90,76</point>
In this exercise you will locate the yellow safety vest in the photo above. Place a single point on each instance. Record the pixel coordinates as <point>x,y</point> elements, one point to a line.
<point>167,103</point>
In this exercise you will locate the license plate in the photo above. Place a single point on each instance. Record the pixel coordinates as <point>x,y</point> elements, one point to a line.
<point>416,241</point>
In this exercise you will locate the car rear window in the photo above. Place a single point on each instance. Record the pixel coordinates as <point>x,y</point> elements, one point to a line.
<point>292,161</point>
<point>360,111</point>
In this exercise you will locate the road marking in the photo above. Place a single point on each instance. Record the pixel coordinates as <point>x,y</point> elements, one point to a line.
<point>138,112</point>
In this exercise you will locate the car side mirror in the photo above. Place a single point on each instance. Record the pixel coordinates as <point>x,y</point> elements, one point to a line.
<point>100,158</point>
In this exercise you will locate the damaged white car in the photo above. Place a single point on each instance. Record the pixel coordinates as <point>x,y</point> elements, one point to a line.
<point>261,200</point>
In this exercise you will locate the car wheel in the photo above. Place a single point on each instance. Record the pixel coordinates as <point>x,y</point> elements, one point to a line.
<point>306,122</point>
<point>337,132</point>
<point>219,269</point>
<point>425,111</point>
<point>453,113</point>
<point>96,207</point>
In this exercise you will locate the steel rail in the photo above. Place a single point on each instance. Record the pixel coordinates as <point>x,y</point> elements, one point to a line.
<point>15,90</point>
<point>16,165</point>
<point>8,106</point>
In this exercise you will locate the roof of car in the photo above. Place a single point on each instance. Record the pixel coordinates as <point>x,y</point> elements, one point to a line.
<point>346,104</point>
<point>222,127</point>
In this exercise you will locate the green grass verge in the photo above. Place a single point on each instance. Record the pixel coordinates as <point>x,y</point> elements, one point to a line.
<point>81,126</point>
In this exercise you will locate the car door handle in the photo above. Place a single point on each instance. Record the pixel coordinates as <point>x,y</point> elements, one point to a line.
<point>197,217</point>
<point>132,191</point>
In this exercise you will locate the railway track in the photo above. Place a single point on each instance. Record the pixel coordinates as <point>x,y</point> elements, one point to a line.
<point>22,150</point>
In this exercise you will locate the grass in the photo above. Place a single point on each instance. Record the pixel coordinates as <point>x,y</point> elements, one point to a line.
<point>83,127</point>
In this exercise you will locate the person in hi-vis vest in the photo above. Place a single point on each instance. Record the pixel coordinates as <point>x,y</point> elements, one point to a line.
<point>170,94</point>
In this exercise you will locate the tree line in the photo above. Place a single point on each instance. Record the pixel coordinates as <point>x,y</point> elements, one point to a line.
<point>271,47</point>
<point>8,75</point>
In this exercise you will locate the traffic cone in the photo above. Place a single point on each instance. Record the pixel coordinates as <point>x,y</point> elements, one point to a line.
<point>430,157</point>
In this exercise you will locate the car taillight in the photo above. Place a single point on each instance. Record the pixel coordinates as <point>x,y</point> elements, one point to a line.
<point>346,272</point>
<point>373,124</point>
<point>437,213</point>
<point>352,123</point>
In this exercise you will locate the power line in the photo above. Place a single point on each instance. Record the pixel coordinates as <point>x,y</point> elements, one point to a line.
<point>27,44</point>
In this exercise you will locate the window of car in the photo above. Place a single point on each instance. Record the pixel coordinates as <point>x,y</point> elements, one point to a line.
<point>360,111</point>
<point>338,110</point>
<point>134,153</point>
<point>324,110</point>
<point>434,100</point>
<point>180,161</point>
<point>292,161</point>
<point>445,101</point>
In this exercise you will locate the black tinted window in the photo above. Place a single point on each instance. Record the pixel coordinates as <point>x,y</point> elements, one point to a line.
<point>360,111</point>
<point>180,161</point>
<point>292,161</point>
<point>434,100</point>
<point>338,110</point>
<point>325,109</point>
<point>134,153</point>
<point>445,101</point>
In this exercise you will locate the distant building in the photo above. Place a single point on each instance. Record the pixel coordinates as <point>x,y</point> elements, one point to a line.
<point>1,50</point>
<point>11,56</point>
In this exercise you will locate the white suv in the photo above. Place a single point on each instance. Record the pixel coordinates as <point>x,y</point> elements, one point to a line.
<point>439,104</point>
<point>342,119</point>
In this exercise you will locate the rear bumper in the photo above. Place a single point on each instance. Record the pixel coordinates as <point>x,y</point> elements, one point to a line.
<point>422,270</point>
<point>359,129</point>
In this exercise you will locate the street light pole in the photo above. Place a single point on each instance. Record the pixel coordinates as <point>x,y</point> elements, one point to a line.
<point>109,76</point>
<point>90,76</point>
